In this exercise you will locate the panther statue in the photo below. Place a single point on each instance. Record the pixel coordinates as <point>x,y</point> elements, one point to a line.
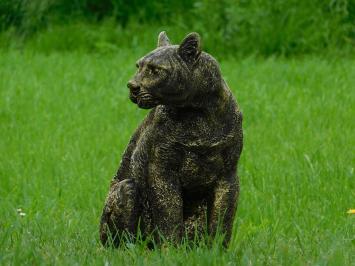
<point>178,175</point>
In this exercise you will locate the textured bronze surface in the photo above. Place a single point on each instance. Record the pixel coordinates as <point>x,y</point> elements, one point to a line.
<point>178,174</point>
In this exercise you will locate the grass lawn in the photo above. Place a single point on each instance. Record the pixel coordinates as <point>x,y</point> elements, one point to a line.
<point>65,120</point>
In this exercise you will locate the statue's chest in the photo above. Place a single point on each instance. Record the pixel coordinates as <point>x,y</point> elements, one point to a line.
<point>200,169</point>
<point>163,143</point>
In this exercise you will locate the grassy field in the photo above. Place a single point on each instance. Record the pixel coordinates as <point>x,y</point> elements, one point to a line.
<point>65,119</point>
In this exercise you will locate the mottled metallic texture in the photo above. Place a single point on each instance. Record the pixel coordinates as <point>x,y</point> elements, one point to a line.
<point>178,174</point>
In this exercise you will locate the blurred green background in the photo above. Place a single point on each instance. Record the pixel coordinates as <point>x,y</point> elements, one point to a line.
<point>228,27</point>
<point>65,120</point>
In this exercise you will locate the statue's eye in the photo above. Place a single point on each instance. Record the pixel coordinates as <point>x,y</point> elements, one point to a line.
<point>153,70</point>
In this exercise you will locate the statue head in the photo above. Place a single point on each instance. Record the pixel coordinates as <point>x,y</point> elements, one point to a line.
<point>166,75</point>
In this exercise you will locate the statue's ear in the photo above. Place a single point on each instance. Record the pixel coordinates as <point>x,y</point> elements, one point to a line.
<point>190,48</point>
<point>163,39</point>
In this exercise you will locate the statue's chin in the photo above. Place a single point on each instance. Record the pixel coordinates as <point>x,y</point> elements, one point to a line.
<point>133,98</point>
<point>146,105</point>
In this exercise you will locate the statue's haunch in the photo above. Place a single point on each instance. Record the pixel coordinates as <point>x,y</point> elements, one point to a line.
<point>178,174</point>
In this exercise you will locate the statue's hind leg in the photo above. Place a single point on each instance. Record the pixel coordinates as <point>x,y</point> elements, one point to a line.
<point>120,213</point>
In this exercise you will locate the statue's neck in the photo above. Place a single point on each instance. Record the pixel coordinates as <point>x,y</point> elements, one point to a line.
<point>205,100</point>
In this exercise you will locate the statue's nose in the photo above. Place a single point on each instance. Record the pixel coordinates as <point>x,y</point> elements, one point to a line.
<point>133,86</point>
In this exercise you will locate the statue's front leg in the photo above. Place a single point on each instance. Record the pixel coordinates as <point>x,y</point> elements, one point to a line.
<point>166,201</point>
<point>222,209</point>
<point>120,213</point>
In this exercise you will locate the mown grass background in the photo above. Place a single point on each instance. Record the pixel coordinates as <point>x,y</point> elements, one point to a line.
<point>65,119</point>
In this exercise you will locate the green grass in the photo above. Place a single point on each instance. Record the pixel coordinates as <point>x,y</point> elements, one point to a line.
<point>65,119</point>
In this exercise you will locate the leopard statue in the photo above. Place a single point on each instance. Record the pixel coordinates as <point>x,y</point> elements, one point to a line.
<point>178,175</point>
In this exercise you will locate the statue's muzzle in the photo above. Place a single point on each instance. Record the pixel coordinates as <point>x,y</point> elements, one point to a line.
<point>133,87</point>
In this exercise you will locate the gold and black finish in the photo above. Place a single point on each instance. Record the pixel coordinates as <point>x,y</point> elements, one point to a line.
<point>178,174</point>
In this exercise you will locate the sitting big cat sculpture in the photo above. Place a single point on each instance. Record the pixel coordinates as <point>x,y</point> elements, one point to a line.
<point>178,174</point>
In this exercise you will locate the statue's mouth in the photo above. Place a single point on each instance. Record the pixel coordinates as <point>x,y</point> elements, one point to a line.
<point>144,100</point>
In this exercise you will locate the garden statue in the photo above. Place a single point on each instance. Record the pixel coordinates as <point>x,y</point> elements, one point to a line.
<point>178,174</point>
